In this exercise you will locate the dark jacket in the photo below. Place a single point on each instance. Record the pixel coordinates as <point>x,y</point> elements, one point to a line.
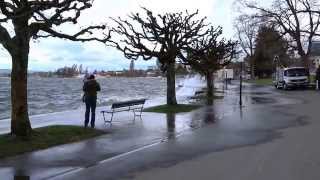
<point>90,88</point>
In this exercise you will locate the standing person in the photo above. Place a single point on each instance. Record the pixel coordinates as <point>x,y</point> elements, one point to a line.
<point>318,78</point>
<point>90,88</point>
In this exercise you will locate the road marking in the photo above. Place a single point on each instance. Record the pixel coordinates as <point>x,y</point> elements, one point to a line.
<point>61,175</point>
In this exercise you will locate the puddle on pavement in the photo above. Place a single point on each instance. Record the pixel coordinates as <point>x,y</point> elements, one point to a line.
<point>238,126</point>
<point>213,114</point>
<point>262,100</point>
<point>243,128</point>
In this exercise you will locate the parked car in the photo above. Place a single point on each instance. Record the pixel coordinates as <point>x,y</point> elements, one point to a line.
<point>286,78</point>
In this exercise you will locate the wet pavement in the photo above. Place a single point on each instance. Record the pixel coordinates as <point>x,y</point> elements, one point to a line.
<point>161,139</point>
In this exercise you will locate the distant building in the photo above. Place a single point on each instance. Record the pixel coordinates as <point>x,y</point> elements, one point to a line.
<point>153,68</point>
<point>131,68</point>
<point>315,51</point>
<point>224,74</point>
<point>315,55</point>
<point>118,72</point>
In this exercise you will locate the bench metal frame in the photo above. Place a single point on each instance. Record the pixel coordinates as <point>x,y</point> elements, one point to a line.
<point>136,106</point>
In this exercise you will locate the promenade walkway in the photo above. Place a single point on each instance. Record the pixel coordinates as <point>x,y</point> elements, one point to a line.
<point>133,144</point>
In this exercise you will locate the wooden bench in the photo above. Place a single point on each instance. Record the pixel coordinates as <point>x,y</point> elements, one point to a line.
<point>136,106</point>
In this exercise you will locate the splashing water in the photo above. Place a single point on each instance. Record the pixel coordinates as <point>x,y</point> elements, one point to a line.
<point>188,86</point>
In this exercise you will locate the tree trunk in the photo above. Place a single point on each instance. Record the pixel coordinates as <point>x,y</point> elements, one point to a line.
<point>20,124</point>
<point>305,61</point>
<point>252,68</point>
<point>171,84</point>
<point>210,86</point>
<point>171,122</point>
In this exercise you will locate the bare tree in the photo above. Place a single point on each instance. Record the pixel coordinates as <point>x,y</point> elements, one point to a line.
<point>22,20</point>
<point>159,36</point>
<point>209,54</point>
<point>299,20</point>
<point>247,28</point>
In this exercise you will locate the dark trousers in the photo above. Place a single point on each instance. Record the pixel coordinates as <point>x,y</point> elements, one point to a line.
<point>91,103</point>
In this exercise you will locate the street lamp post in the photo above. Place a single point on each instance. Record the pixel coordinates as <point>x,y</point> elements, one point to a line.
<point>240,99</point>
<point>226,78</point>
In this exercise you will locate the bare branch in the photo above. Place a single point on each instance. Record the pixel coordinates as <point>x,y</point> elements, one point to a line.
<point>299,20</point>
<point>5,38</point>
<point>39,12</point>
<point>210,53</point>
<point>79,36</point>
<point>161,36</point>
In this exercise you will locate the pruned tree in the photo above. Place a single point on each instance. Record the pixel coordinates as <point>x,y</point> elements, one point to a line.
<point>298,20</point>
<point>209,54</point>
<point>22,20</point>
<point>246,30</point>
<point>159,36</point>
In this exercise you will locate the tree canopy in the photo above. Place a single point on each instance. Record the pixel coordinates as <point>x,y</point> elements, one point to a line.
<point>161,36</point>
<point>22,20</point>
<point>211,52</point>
<point>297,20</point>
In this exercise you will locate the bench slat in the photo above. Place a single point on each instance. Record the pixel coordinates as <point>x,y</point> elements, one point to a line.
<point>127,103</point>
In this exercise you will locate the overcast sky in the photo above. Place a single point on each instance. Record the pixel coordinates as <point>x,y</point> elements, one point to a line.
<point>50,54</point>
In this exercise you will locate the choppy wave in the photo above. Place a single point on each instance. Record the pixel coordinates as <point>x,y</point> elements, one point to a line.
<point>46,95</point>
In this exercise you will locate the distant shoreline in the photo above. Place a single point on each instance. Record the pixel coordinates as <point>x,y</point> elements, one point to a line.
<point>97,77</point>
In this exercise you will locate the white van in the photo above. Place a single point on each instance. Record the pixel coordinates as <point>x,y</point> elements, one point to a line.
<point>286,78</point>
<point>225,74</point>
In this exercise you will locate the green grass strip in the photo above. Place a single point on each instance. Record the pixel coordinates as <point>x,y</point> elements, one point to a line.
<point>180,108</point>
<point>264,82</point>
<point>43,138</point>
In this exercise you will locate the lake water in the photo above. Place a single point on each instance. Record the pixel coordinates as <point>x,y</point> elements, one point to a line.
<point>47,95</point>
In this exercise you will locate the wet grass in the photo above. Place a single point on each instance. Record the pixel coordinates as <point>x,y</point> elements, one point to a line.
<point>312,78</point>
<point>180,108</point>
<point>43,138</point>
<point>265,82</point>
